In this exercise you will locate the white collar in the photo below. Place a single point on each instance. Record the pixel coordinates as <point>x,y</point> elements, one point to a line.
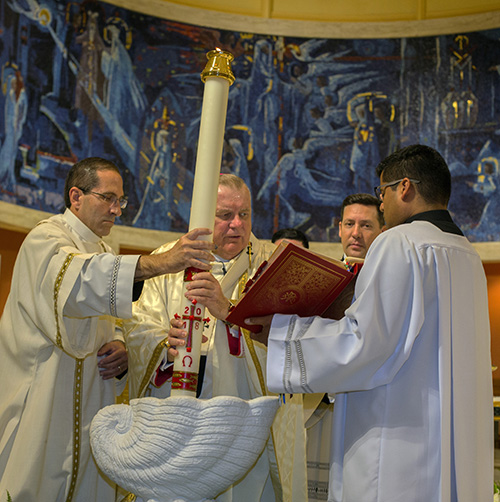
<point>79,227</point>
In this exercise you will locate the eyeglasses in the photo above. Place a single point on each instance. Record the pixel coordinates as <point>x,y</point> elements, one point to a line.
<point>109,199</point>
<point>378,190</point>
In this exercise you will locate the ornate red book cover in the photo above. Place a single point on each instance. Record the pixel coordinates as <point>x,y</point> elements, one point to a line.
<point>294,281</point>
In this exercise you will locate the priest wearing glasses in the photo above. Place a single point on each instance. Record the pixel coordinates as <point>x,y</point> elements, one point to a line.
<point>60,353</point>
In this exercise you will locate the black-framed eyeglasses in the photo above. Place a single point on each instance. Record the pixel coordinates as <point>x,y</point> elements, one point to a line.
<point>378,190</point>
<point>109,198</point>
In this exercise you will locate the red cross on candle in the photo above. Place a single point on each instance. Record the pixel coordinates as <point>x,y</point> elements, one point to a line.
<point>191,318</point>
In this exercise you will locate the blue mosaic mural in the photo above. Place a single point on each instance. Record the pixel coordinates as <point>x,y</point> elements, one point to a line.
<point>307,122</point>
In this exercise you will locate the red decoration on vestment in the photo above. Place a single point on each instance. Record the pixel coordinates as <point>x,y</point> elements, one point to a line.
<point>162,376</point>
<point>234,342</point>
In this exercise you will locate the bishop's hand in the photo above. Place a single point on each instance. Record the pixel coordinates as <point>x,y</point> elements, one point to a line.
<point>205,289</point>
<point>176,337</point>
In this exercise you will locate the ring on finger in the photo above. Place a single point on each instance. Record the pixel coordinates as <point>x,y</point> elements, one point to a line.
<point>167,344</point>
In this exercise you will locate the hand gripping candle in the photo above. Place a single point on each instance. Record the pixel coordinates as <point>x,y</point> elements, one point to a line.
<point>217,77</point>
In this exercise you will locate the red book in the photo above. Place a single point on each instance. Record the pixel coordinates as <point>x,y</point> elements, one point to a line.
<point>295,280</point>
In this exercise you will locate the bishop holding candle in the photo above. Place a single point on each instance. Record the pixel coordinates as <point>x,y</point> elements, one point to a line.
<point>210,357</point>
<point>233,362</point>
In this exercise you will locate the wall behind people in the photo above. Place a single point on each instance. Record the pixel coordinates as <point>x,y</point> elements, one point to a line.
<point>318,10</point>
<point>305,125</point>
<point>10,242</point>
<point>493,277</point>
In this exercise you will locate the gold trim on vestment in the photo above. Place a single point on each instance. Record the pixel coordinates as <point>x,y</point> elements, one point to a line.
<point>77,426</point>
<point>78,383</point>
<point>246,334</point>
<point>255,359</point>
<point>57,287</point>
<point>130,497</point>
<point>153,364</point>
<point>260,375</point>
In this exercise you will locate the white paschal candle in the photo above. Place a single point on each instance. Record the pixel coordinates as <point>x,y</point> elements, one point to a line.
<point>209,154</point>
<point>217,77</point>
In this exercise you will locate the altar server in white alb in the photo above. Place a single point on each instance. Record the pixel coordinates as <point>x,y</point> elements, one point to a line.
<point>59,350</point>
<point>410,361</point>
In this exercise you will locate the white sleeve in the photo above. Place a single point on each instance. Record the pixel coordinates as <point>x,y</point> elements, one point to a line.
<point>103,286</point>
<point>365,348</point>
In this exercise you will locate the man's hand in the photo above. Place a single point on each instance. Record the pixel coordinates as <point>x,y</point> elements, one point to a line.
<point>177,338</point>
<point>188,251</point>
<point>205,289</point>
<point>263,335</point>
<point>114,360</point>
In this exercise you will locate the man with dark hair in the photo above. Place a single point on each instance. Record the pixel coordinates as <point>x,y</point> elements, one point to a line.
<point>361,220</point>
<point>292,235</point>
<point>365,199</point>
<point>410,362</point>
<point>434,185</point>
<point>60,353</point>
<point>84,174</point>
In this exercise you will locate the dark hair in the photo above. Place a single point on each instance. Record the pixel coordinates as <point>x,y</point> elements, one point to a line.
<point>422,163</point>
<point>83,175</point>
<point>366,200</point>
<point>291,233</point>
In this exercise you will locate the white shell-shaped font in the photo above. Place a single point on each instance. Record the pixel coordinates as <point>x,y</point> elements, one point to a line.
<point>181,449</point>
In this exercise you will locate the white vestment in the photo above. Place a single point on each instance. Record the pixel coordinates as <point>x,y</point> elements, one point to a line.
<point>65,295</point>
<point>411,369</point>
<point>318,414</point>
<point>241,375</point>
